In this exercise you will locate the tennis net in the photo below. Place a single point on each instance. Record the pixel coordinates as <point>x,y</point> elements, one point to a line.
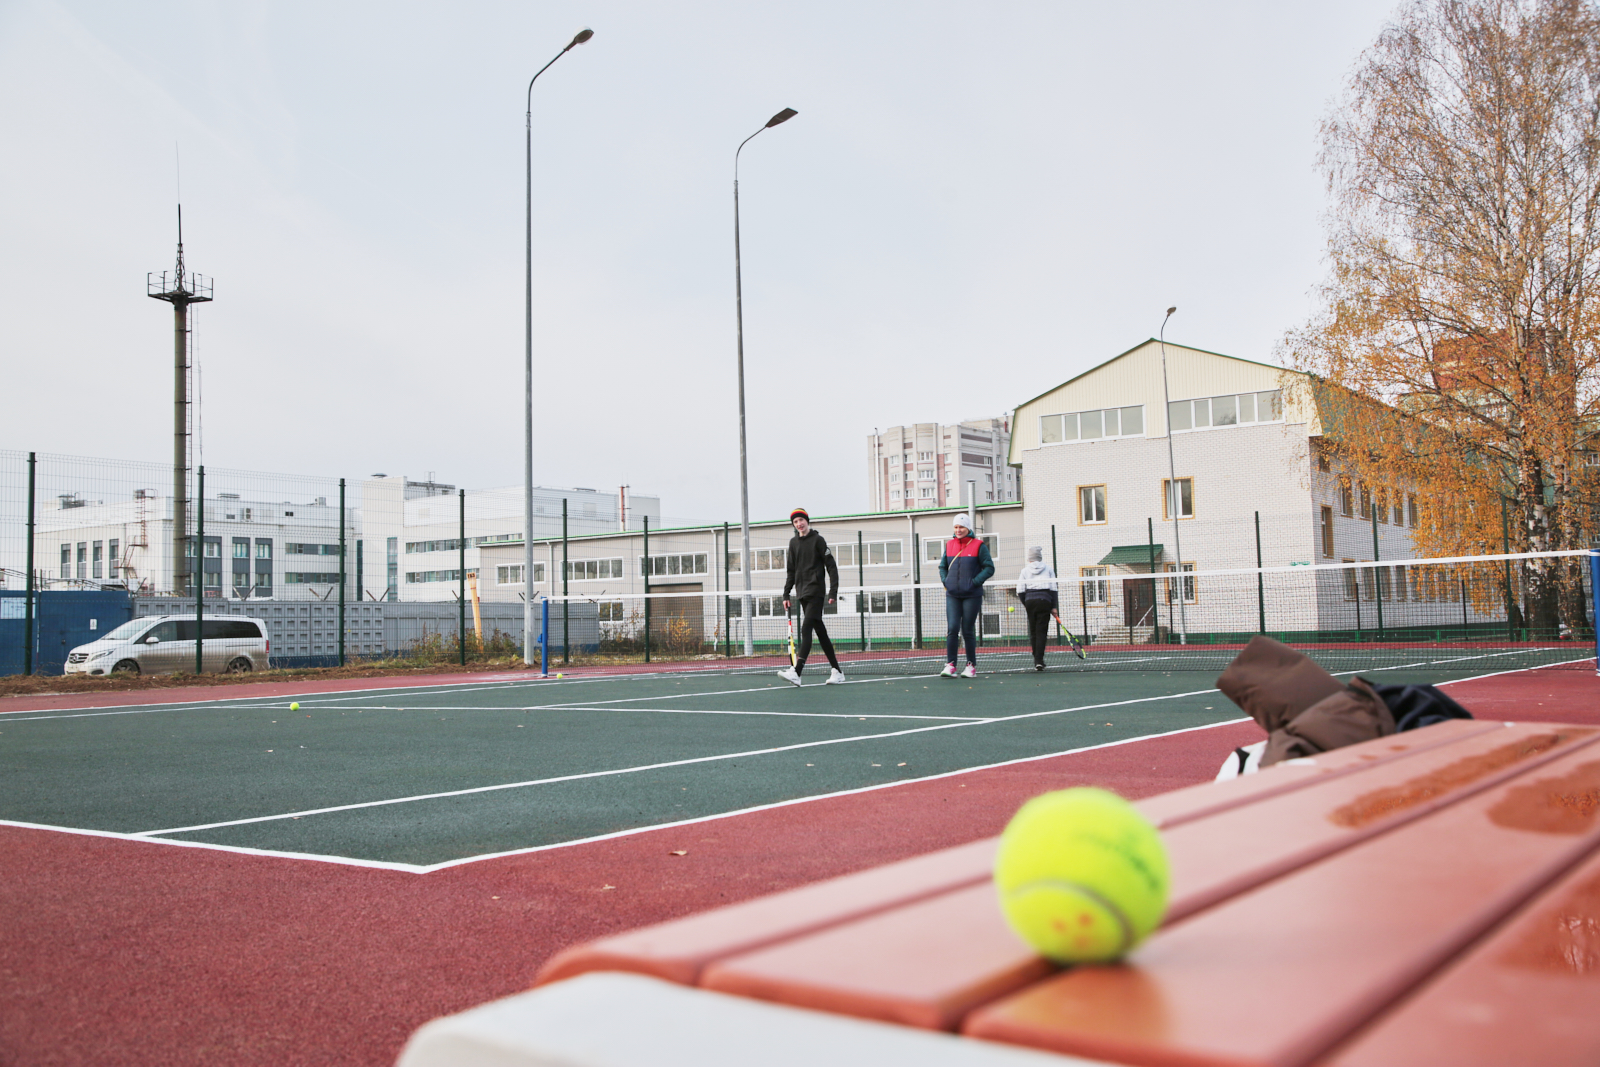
<point>1488,613</point>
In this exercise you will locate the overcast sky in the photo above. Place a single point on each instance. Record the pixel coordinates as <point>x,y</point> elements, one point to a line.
<point>975,203</point>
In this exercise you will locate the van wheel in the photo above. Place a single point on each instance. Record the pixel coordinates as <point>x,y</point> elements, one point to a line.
<point>240,666</point>
<point>125,666</point>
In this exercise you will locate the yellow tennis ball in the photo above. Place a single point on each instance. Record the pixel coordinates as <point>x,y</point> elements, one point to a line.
<point>1012,607</point>
<point>558,675</point>
<point>1082,876</point>
<point>295,706</point>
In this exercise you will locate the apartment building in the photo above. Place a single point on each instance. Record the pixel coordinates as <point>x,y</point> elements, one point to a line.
<point>934,465</point>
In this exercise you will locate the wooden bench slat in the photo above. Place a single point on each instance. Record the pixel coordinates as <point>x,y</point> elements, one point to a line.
<point>928,963</point>
<point>677,950</point>
<point>1281,974</point>
<point>1528,992</point>
<point>925,964</point>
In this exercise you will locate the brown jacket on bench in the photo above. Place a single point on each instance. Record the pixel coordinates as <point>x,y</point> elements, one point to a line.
<point>1303,708</point>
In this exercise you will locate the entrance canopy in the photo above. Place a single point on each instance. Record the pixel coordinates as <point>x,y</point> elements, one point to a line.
<point>1131,555</point>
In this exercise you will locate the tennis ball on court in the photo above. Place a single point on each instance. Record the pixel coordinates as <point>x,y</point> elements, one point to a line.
<point>1082,876</point>
<point>295,706</point>
<point>558,675</point>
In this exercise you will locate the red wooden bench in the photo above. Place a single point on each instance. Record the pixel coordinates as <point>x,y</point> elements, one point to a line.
<point>1337,910</point>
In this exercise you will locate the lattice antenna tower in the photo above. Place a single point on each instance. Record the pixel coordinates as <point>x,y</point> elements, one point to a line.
<point>180,289</point>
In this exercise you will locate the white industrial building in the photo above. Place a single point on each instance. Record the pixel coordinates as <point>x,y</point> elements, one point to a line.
<point>934,465</point>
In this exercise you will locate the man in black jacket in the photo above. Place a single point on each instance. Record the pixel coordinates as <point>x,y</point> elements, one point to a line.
<point>808,558</point>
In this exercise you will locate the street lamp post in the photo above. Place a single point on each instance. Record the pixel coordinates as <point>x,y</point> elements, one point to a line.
<point>748,611</point>
<point>1172,486</point>
<point>527,469</point>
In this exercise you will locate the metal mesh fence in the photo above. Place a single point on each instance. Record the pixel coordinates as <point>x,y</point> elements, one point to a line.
<point>344,570</point>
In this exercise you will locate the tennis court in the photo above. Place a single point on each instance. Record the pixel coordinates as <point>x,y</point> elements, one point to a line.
<point>422,777</point>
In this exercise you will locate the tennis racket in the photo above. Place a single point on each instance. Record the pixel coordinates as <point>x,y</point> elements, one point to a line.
<point>1072,640</point>
<point>789,618</point>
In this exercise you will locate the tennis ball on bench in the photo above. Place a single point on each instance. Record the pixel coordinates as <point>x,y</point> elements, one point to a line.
<point>1082,876</point>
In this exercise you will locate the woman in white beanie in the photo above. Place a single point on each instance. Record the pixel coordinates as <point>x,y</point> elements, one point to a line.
<point>1036,585</point>
<point>963,568</point>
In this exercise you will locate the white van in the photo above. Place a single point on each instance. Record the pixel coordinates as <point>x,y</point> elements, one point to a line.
<point>160,644</point>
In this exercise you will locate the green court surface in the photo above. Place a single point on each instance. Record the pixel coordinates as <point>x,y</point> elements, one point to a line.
<point>419,777</point>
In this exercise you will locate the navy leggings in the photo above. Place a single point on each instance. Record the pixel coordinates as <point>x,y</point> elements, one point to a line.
<point>961,616</point>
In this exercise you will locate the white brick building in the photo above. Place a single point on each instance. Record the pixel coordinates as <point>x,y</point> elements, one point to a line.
<point>1248,454</point>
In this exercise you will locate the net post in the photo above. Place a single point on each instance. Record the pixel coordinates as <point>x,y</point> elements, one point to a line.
<point>343,578</point>
<point>28,585</point>
<point>566,640</point>
<point>1155,597</point>
<point>1505,546</point>
<point>544,637</point>
<point>461,578</point>
<point>200,564</point>
<point>727,636</point>
<point>861,583</point>
<point>1377,573</point>
<point>916,588</point>
<point>1261,585</point>
<point>644,572</point>
<point>1594,593</point>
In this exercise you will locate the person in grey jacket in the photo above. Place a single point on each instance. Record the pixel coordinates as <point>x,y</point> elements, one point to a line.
<point>964,567</point>
<point>1036,586</point>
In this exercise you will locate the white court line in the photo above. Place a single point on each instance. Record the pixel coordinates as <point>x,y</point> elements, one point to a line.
<point>631,832</point>
<point>424,869</point>
<point>658,766</point>
<point>676,711</point>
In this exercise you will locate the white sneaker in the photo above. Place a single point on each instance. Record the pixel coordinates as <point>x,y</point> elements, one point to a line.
<point>970,672</point>
<point>789,674</point>
<point>949,671</point>
<point>835,677</point>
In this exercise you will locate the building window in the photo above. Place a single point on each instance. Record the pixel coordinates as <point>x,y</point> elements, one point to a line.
<point>1237,410</point>
<point>894,495</point>
<point>1327,532</point>
<point>66,561</point>
<point>412,577</point>
<point>1364,494</point>
<point>83,559</point>
<point>263,548</point>
<point>873,553</point>
<point>767,559</point>
<point>1092,425</point>
<point>241,548</point>
<point>682,563</point>
<point>1369,583</point>
<point>1411,510</point>
<point>582,570</point>
<point>1094,590</point>
<point>887,603</point>
<point>1346,499</point>
<point>112,547</point>
<point>1350,580</point>
<point>311,578</point>
<point>612,611</point>
<point>452,544</point>
<point>511,574</point>
<point>1091,504</point>
<point>934,549</point>
<point>923,457</point>
<point>1189,584</point>
<point>99,556</point>
<point>1185,503</point>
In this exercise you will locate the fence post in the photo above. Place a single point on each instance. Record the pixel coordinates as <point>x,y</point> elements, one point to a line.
<point>361,567</point>
<point>645,572</point>
<point>1261,585</point>
<point>200,562</point>
<point>727,637</point>
<point>1377,572</point>
<point>27,610</point>
<point>861,598</point>
<point>916,589</point>
<point>461,578</point>
<point>343,578</point>
<point>566,570</point>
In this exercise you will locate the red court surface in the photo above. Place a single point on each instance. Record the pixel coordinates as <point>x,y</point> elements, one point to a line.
<point>123,952</point>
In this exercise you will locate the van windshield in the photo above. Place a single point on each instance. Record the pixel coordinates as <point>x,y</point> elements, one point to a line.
<point>126,630</point>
